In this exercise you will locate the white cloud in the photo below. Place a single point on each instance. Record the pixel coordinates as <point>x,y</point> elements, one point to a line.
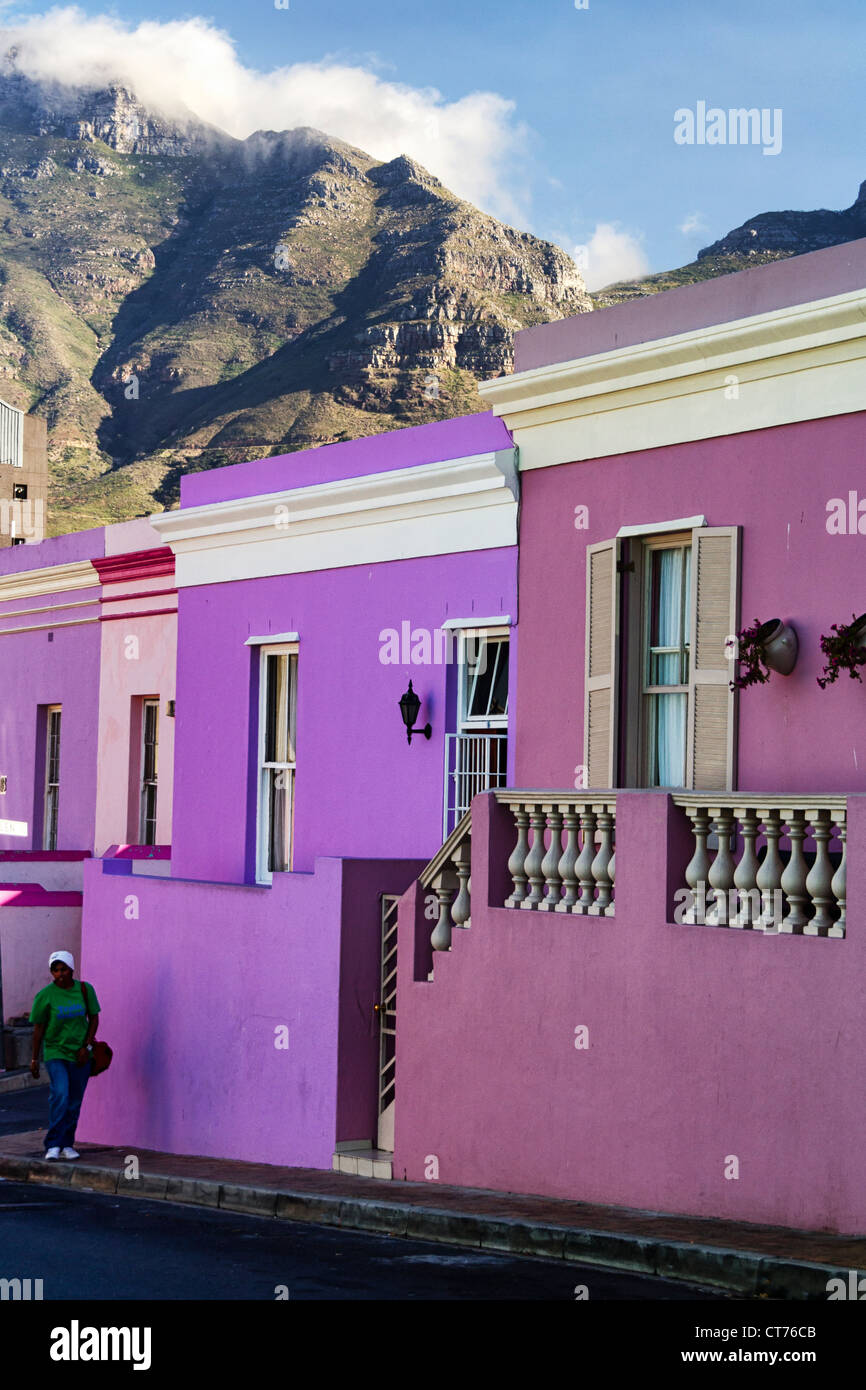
<point>610,255</point>
<point>473,144</point>
<point>694,225</point>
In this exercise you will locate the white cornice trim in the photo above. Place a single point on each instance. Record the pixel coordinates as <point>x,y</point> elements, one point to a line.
<point>434,509</point>
<point>56,579</point>
<point>804,362</point>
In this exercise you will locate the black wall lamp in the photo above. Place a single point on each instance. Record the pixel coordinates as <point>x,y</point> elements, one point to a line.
<point>409,707</point>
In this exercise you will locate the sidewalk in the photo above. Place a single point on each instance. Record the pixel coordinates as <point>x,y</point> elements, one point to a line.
<point>752,1261</point>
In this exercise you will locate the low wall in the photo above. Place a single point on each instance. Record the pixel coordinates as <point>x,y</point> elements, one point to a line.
<point>28,936</point>
<point>711,1051</point>
<point>203,984</point>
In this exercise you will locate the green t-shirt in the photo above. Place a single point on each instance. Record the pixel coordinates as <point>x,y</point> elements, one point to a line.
<point>65,1016</point>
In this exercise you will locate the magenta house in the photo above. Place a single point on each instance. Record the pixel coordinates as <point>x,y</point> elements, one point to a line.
<point>345,650</point>
<point>650,991</point>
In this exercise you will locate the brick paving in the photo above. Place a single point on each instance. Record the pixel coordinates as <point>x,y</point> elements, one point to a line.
<point>744,1257</point>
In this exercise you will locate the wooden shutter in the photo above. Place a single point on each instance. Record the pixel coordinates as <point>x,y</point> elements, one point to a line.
<point>711,756</point>
<point>602,663</point>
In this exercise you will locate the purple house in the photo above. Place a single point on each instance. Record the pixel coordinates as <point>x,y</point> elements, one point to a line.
<point>345,651</point>
<point>653,993</point>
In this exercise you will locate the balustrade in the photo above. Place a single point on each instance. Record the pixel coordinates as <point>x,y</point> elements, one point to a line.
<point>449,876</point>
<point>798,889</point>
<point>546,876</point>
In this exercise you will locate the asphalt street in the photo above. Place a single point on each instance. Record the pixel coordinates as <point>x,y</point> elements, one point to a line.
<point>87,1245</point>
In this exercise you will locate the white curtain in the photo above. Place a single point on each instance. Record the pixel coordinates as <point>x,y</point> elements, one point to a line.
<point>670,710</point>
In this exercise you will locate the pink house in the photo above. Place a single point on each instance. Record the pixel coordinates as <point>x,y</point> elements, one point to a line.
<point>652,995</point>
<point>85,655</point>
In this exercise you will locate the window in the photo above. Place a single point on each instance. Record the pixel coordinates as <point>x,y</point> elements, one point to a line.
<point>19,540</point>
<point>665,663</point>
<point>277,707</point>
<point>19,492</point>
<point>658,708</point>
<point>52,777</point>
<point>476,755</point>
<point>149,771</point>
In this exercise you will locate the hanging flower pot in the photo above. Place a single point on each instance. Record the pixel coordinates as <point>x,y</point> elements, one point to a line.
<point>762,649</point>
<point>780,644</point>
<point>845,650</point>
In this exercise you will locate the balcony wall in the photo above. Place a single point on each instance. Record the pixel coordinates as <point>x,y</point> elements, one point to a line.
<point>705,1043</point>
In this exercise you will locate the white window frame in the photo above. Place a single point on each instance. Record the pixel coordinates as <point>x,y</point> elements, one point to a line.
<point>264,874</point>
<point>150,702</point>
<point>669,540</point>
<point>51,805</point>
<point>467,724</point>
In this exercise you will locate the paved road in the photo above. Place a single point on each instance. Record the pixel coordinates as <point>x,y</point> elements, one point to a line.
<point>23,1110</point>
<point>94,1246</point>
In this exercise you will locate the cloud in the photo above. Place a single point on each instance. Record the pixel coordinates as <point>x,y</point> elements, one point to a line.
<point>473,144</point>
<point>610,255</point>
<point>694,225</point>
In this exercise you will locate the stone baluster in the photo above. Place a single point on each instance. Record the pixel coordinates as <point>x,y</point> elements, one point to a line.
<point>721,875</point>
<point>600,866</point>
<point>568,861</point>
<point>769,878</point>
<point>838,886</point>
<point>550,863</point>
<point>698,869</point>
<point>445,888</point>
<point>462,905</point>
<point>583,867</point>
<point>794,877</point>
<point>820,877</point>
<point>745,877</point>
<point>610,910</point>
<point>517,862</point>
<point>535,859</point>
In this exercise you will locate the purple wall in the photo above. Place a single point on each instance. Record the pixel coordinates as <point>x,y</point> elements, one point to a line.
<point>703,1043</point>
<point>774,483</point>
<point>818,275</point>
<point>57,665</point>
<point>377,453</point>
<point>206,973</point>
<point>361,790</point>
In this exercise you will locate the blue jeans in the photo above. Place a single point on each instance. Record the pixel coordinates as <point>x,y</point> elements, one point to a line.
<point>68,1084</point>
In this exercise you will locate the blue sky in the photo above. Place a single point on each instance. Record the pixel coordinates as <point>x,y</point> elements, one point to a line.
<point>573,139</point>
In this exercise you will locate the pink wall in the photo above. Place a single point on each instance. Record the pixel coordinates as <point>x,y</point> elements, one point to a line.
<point>774,483</point>
<point>28,935</point>
<point>703,1043</point>
<point>193,989</point>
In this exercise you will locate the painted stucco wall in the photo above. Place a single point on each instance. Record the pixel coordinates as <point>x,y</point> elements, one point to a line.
<point>704,1043</point>
<point>56,665</point>
<point>193,989</point>
<point>28,936</point>
<point>776,484</point>
<point>361,790</point>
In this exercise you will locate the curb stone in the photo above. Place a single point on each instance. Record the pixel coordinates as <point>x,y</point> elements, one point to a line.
<point>741,1272</point>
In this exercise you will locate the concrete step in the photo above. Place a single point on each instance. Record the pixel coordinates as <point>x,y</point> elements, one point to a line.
<point>364,1162</point>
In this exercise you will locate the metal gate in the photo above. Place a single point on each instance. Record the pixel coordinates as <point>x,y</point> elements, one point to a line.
<point>387,1012</point>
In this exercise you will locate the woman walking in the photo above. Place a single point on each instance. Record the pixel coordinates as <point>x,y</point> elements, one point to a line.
<point>66,1015</point>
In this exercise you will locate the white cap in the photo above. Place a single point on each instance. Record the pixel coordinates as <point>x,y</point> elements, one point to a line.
<point>61,955</point>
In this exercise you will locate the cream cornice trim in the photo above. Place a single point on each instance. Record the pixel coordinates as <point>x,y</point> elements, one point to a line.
<point>673,389</point>
<point>56,579</point>
<point>437,508</point>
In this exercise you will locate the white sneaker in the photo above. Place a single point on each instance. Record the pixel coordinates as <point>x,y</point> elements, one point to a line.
<point>52,1153</point>
<point>69,1153</point>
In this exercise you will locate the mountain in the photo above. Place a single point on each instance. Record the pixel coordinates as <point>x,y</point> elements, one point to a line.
<point>172,298</point>
<point>771,236</point>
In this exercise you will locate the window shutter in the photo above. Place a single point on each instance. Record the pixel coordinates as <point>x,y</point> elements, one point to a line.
<point>711,758</point>
<point>602,663</point>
